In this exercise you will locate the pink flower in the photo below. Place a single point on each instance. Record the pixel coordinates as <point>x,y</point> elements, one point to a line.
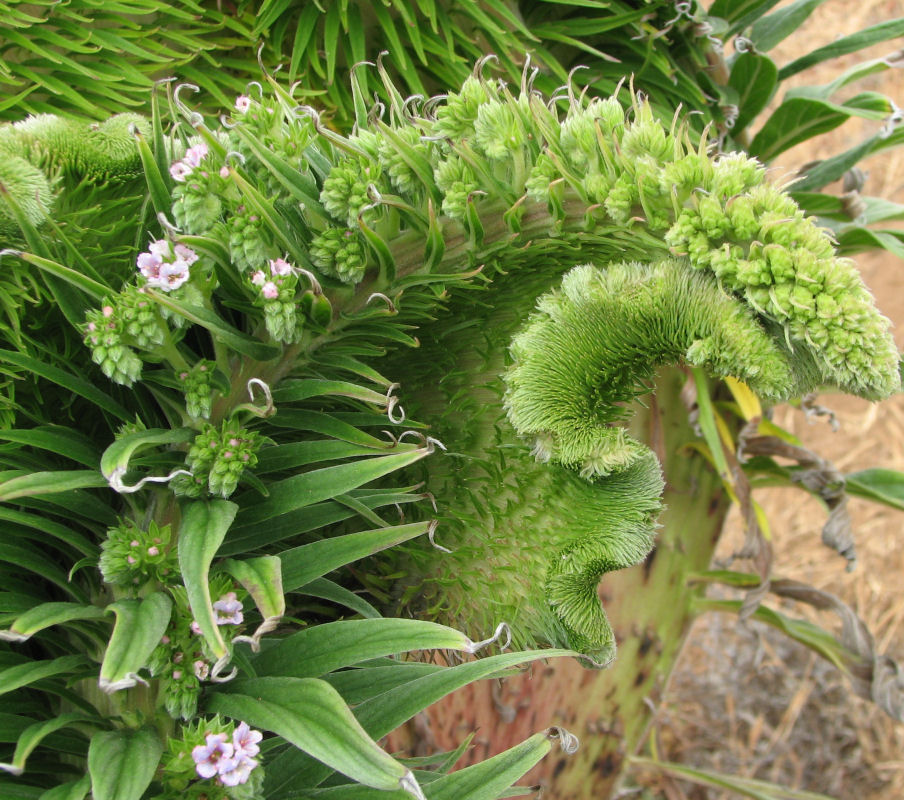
<point>245,740</point>
<point>208,757</point>
<point>233,771</point>
<point>174,275</point>
<point>230,608</point>
<point>149,265</point>
<point>258,278</point>
<point>180,171</point>
<point>185,254</point>
<point>270,290</point>
<point>201,669</point>
<point>195,628</point>
<point>278,266</point>
<point>194,155</point>
<point>160,247</point>
<point>242,103</point>
<point>224,171</point>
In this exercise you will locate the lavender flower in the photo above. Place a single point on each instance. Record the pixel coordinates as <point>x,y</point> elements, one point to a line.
<point>194,155</point>
<point>245,740</point>
<point>230,608</point>
<point>209,757</point>
<point>180,171</point>
<point>233,771</point>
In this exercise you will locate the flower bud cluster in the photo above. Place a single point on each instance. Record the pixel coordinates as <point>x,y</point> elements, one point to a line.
<point>104,333</point>
<point>249,245</point>
<point>130,556</point>
<point>217,459</point>
<point>166,266</point>
<point>345,192</point>
<point>198,389</point>
<point>760,245</point>
<point>340,253</point>
<point>457,181</point>
<point>276,295</point>
<point>197,206</point>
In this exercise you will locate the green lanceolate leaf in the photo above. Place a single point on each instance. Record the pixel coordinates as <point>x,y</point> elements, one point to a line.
<point>303,564</point>
<point>122,763</point>
<point>71,790</point>
<point>140,624</point>
<point>800,118</point>
<point>329,590</point>
<point>774,28</point>
<point>325,648</point>
<point>90,287</point>
<point>312,715</point>
<point>32,736</point>
<point>66,380</point>
<point>204,525</point>
<point>35,484</point>
<point>885,486</point>
<point>740,13</point>
<point>159,191</point>
<point>846,44</point>
<point>754,78</point>
<point>322,484</point>
<point>219,328</point>
<point>20,675</point>
<point>47,615</point>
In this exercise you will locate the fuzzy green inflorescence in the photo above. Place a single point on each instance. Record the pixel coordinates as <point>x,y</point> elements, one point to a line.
<point>39,151</point>
<point>335,247</point>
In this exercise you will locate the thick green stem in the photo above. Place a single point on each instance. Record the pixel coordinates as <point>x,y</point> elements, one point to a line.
<point>650,608</point>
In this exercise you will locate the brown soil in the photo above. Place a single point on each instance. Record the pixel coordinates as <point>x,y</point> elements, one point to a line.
<point>746,700</point>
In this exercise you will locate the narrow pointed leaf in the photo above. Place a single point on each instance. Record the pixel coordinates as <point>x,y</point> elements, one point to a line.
<point>71,790</point>
<point>329,590</point>
<point>114,463</point>
<point>325,648</point>
<point>322,484</point>
<point>19,675</point>
<point>46,615</point>
<point>221,330</point>
<point>303,564</point>
<point>204,525</point>
<point>41,483</point>
<point>32,736</point>
<point>312,715</point>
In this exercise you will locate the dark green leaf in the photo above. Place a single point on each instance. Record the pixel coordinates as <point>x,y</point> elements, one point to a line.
<point>122,763</point>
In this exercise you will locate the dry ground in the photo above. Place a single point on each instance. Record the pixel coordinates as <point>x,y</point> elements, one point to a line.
<point>749,701</point>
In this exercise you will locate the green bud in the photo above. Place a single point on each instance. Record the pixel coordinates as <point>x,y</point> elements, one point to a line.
<point>498,131</point>
<point>341,253</point>
<point>345,190</point>
<point>455,119</point>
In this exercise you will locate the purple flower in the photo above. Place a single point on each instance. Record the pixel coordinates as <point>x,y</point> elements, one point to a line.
<point>279,266</point>
<point>245,740</point>
<point>160,247</point>
<point>233,771</point>
<point>185,254</point>
<point>208,757</point>
<point>149,264</point>
<point>172,276</point>
<point>230,609</point>
<point>180,171</point>
<point>194,155</point>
